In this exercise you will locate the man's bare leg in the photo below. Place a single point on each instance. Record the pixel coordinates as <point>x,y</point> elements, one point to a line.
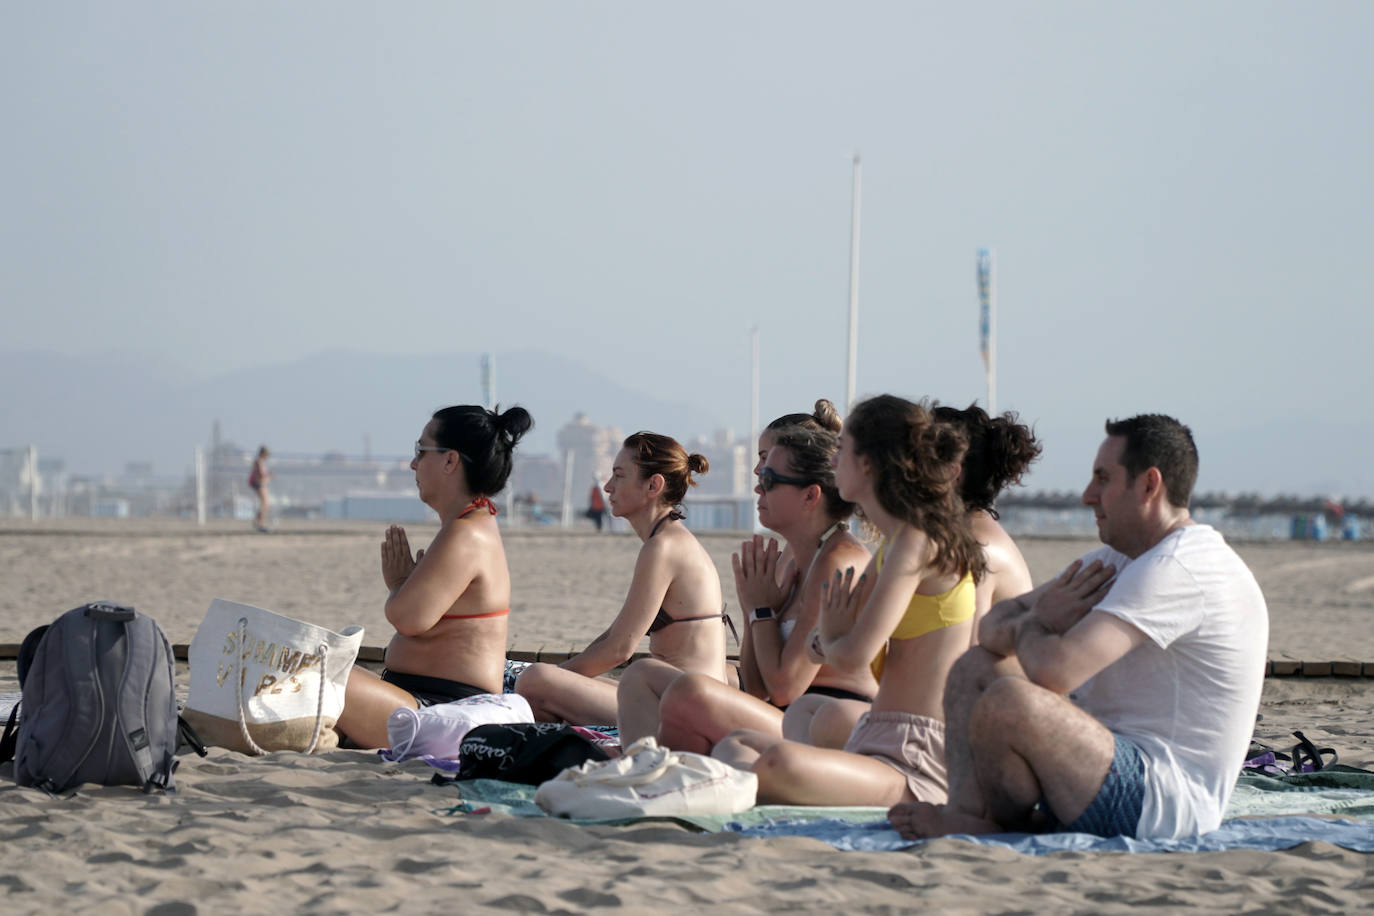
<point>1026,743</point>
<point>966,810</point>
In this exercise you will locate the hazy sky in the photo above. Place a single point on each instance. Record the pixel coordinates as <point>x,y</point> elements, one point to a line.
<point>1179,195</point>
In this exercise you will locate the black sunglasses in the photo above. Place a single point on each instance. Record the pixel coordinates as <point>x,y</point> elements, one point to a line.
<point>769,478</point>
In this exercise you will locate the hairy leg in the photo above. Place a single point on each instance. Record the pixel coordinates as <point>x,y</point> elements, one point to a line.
<point>1030,742</point>
<point>967,810</point>
<point>637,697</point>
<point>968,679</point>
<point>558,695</point>
<point>697,711</point>
<point>799,774</point>
<point>1026,743</point>
<point>368,702</point>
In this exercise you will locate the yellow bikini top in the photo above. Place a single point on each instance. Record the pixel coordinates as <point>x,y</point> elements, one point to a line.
<point>928,613</point>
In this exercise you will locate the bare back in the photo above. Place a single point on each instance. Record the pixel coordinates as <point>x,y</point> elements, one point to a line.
<point>693,591</point>
<point>1007,574</point>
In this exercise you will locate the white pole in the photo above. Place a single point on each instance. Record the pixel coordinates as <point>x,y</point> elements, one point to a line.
<point>849,390</point>
<point>992,339</point>
<point>567,487</point>
<point>200,486</point>
<point>489,381</point>
<point>754,387</point>
<point>33,483</point>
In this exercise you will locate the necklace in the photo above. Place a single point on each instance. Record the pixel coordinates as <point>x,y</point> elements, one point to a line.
<point>838,526</point>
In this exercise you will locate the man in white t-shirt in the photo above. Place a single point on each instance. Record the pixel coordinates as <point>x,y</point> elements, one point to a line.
<point>1119,698</point>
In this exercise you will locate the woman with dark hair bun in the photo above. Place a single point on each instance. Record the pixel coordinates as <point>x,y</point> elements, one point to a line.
<point>1000,450</point>
<point>448,603</point>
<point>907,617</point>
<point>674,596</point>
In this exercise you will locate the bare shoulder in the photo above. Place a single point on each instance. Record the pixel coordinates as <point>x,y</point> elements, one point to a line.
<point>1007,572</point>
<point>908,551</point>
<point>998,547</point>
<point>846,553</point>
<point>458,537</point>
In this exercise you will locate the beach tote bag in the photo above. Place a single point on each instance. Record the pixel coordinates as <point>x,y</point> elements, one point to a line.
<point>648,781</point>
<point>263,682</point>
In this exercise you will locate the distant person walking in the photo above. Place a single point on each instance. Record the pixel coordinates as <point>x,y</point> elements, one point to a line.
<point>257,479</point>
<point>596,507</point>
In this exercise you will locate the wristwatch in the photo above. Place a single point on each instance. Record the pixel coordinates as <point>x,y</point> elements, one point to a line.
<point>760,613</point>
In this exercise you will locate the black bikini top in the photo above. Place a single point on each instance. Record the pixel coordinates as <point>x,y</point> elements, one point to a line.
<point>663,618</point>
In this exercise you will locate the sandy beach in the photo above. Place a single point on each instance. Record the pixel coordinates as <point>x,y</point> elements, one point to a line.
<point>344,832</point>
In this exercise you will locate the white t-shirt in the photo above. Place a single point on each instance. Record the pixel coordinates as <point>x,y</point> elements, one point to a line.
<point>1188,695</point>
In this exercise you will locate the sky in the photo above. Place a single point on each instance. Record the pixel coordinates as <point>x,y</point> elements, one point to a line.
<point>1178,196</point>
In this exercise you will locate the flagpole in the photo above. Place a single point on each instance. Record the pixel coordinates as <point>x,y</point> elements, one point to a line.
<point>851,376</point>
<point>987,323</point>
<point>753,387</point>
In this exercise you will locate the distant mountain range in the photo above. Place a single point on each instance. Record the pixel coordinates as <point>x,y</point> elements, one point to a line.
<point>99,412</point>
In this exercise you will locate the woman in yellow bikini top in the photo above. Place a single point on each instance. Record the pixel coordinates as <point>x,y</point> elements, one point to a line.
<point>926,613</point>
<point>911,608</point>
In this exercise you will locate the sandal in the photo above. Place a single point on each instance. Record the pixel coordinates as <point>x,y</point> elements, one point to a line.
<point>1308,758</point>
<point>1263,759</point>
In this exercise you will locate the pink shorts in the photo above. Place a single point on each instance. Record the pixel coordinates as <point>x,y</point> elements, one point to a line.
<point>912,745</point>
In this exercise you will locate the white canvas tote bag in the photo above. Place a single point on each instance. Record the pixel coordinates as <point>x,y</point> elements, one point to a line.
<point>263,682</point>
<point>648,780</point>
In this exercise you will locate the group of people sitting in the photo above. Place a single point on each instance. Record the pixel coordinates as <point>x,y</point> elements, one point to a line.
<point>931,677</point>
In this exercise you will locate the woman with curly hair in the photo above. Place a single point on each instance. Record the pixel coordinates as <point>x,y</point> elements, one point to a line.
<point>1000,449</point>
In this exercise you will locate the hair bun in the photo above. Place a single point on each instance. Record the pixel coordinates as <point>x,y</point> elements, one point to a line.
<point>825,414</point>
<point>514,422</point>
<point>697,464</point>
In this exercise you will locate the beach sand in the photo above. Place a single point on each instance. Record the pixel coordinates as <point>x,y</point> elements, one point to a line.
<point>343,832</point>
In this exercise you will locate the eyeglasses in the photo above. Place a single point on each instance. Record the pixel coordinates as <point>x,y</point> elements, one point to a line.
<point>421,449</point>
<point>769,478</point>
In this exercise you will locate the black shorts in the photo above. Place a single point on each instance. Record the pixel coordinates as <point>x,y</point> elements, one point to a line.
<point>431,691</point>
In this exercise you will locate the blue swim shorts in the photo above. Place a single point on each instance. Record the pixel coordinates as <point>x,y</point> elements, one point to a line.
<point>1116,809</point>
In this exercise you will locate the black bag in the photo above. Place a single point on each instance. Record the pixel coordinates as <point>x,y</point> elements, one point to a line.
<point>526,752</point>
<point>98,703</point>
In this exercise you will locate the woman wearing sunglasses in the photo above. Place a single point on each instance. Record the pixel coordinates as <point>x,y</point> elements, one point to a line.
<point>797,498</point>
<point>908,616</point>
<point>448,603</point>
<point>674,596</point>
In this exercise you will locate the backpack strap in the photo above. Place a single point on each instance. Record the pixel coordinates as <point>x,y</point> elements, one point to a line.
<point>141,655</point>
<point>11,736</point>
<point>188,734</point>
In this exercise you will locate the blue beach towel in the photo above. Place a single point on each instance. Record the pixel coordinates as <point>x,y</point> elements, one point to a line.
<point>1334,806</point>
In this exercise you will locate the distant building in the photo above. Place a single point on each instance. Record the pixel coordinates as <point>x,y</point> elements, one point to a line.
<point>731,471</point>
<point>591,450</point>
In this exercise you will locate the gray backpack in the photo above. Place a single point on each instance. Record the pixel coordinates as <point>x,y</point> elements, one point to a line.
<point>98,702</point>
